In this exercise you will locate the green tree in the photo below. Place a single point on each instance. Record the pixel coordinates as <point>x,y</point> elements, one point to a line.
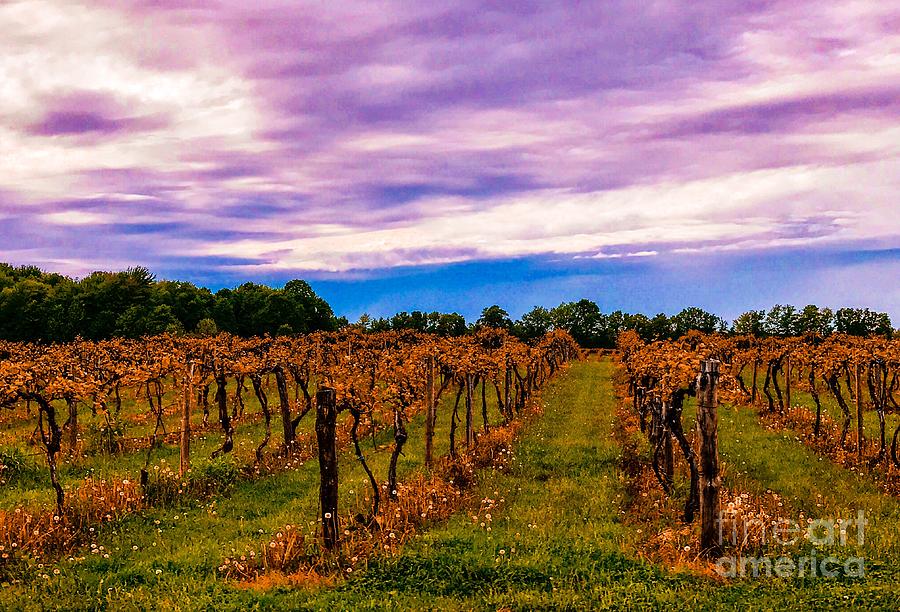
<point>750,323</point>
<point>583,320</point>
<point>140,321</point>
<point>447,324</point>
<point>494,316</point>
<point>815,320</point>
<point>781,320</point>
<point>533,324</point>
<point>23,310</point>
<point>207,327</point>
<point>694,318</point>
<point>106,296</point>
<point>189,303</point>
<point>657,328</point>
<point>862,322</point>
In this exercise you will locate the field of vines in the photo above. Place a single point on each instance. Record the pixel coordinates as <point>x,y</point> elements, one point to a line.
<point>835,397</point>
<point>396,470</point>
<point>861,376</point>
<point>119,424</point>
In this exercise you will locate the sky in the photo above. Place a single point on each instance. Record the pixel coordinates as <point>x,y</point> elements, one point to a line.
<point>402,155</point>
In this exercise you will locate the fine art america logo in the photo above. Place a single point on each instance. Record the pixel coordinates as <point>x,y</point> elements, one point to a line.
<point>826,533</point>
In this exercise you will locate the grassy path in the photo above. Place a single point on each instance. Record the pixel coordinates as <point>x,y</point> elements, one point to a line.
<point>557,540</point>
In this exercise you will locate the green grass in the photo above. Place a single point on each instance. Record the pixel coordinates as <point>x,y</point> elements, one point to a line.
<point>35,490</point>
<point>557,541</point>
<point>831,409</point>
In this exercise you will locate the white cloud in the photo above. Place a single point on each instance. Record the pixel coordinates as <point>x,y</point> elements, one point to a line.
<point>749,210</point>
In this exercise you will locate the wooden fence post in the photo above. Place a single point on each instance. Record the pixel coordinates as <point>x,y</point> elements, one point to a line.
<point>326,421</point>
<point>708,423</point>
<point>859,412</point>
<point>429,411</point>
<point>188,393</point>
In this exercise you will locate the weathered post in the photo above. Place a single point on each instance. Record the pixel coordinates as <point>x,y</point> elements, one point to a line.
<point>859,412</point>
<point>326,421</point>
<point>187,400</point>
<point>429,411</point>
<point>708,423</point>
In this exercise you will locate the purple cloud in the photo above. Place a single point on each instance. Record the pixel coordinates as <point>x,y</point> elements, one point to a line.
<point>74,122</point>
<point>90,113</point>
<point>781,116</point>
<point>339,136</point>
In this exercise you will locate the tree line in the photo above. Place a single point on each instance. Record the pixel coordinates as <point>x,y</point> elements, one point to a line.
<point>592,328</point>
<point>38,306</point>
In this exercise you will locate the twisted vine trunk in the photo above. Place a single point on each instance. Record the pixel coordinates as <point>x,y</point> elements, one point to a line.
<point>673,421</point>
<point>788,372</point>
<point>400,437</point>
<point>659,435</point>
<point>224,417</point>
<point>51,438</point>
<point>470,425</point>
<point>640,405</point>
<point>815,395</point>
<point>284,406</point>
<point>894,456</point>
<point>484,409</point>
<point>256,382</point>
<point>203,392</point>
<point>521,391</point>
<point>835,386</point>
<point>368,521</point>
<point>118,400</point>
<point>501,408</point>
<point>303,383</point>
<point>766,385</point>
<point>668,454</point>
<point>454,419</point>
<point>507,395</point>
<point>430,409</point>
<point>860,440</point>
<point>890,391</point>
<point>158,410</point>
<point>72,406</point>
<point>740,380</point>
<point>877,383</point>
<point>754,391</point>
<point>776,368</point>
<point>237,409</point>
